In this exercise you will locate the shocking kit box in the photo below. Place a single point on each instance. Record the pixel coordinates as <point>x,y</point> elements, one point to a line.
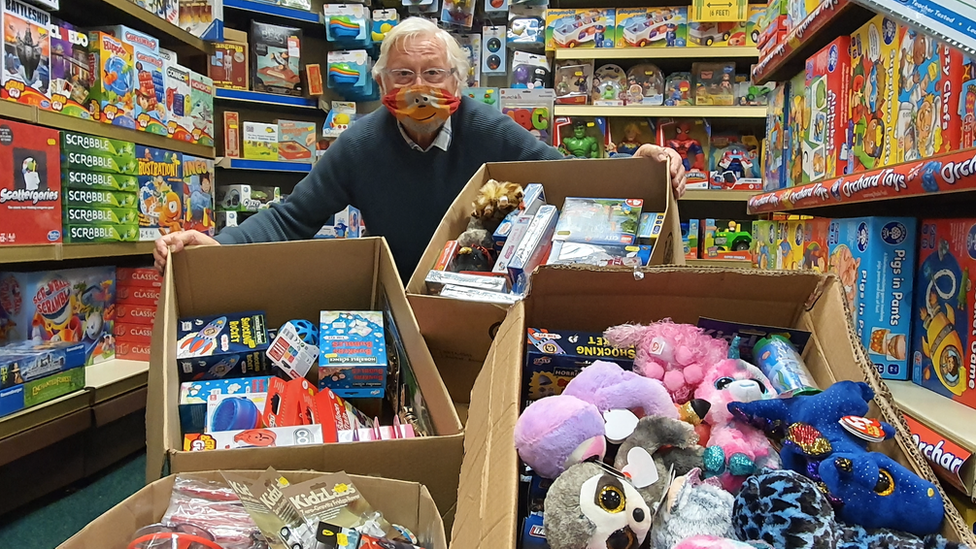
<point>160,192</point>
<point>41,390</point>
<point>919,91</point>
<point>195,394</point>
<point>874,258</point>
<point>198,194</point>
<point>828,76</point>
<point>30,185</point>
<point>943,349</point>
<point>83,179</point>
<point>276,59</point>
<point>352,353</point>
<point>148,79</point>
<point>201,109</point>
<point>874,70</point>
<point>70,72</point>
<point>222,346</point>
<point>27,54</point>
<point>553,357</point>
<point>111,92</point>
<point>180,123</point>
<point>652,27</point>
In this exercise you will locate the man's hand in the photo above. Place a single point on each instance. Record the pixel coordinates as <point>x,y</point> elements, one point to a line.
<point>177,241</point>
<point>663,154</point>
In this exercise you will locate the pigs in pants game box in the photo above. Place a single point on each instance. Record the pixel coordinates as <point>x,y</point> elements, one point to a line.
<point>352,353</point>
<point>30,185</point>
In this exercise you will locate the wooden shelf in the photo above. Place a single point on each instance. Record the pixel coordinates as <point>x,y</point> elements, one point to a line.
<point>659,53</point>
<point>42,413</point>
<point>58,252</point>
<point>662,112</point>
<point>718,195</point>
<point>954,421</point>
<point>266,98</point>
<point>263,165</point>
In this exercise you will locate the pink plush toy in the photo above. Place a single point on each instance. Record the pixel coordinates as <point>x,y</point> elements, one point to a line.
<point>713,542</point>
<point>676,354</point>
<point>735,449</point>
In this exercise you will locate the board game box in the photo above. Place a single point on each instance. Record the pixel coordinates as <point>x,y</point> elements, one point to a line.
<point>41,390</point>
<point>201,109</point>
<point>113,80</point>
<point>27,360</point>
<point>123,150</point>
<point>222,346</point>
<point>100,216</point>
<point>825,149</point>
<point>160,192</point>
<point>27,54</point>
<point>776,142</point>
<point>352,353</point>
<point>554,357</point>
<point>296,140</point>
<point>70,73</point>
<point>796,116</point>
<point>80,179</point>
<point>85,234</point>
<point>276,59</point>
<point>198,194</point>
<point>148,79</point>
<point>229,66</point>
<point>180,124</point>
<point>874,68</point>
<point>919,91</point>
<point>93,198</point>
<point>30,186</point>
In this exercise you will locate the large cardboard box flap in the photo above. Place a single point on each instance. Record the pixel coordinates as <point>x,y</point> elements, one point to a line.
<point>406,503</point>
<point>578,298</point>
<point>289,280</point>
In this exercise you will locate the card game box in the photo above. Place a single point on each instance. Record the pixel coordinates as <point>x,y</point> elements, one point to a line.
<point>874,70</point>
<point>554,357</point>
<point>160,192</point>
<point>352,353</point>
<point>201,109</point>
<point>27,54</point>
<point>229,65</point>
<point>222,346</point>
<point>276,59</point>
<point>113,79</point>
<point>30,186</point>
<point>70,72</point>
<point>825,147</point>
<point>83,179</point>
<point>198,194</point>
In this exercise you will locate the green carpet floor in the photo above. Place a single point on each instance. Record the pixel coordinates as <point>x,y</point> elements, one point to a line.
<point>48,522</point>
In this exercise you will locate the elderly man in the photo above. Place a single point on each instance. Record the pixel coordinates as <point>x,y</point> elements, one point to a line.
<point>402,165</point>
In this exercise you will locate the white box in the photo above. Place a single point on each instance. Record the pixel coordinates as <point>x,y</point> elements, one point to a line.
<point>533,247</point>
<point>252,438</point>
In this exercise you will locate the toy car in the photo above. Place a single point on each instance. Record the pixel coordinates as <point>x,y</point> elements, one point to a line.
<point>733,239</point>
<point>706,34</point>
<point>570,35</point>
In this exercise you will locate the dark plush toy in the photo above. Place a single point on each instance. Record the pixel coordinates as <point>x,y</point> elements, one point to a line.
<point>788,511</point>
<point>672,444</point>
<point>866,488</point>
<point>473,259</point>
<point>496,199</point>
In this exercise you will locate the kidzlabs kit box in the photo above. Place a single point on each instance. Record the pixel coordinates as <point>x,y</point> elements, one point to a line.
<point>201,109</point>
<point>352,353</point>
<point>160,192</point>
<point>554,357</point>
<point>70,72</point>
<point>874,69</point>
<point>110,98</point>
<point>583,28</point>
<point>276,59</point>
<point>874,257</point>
<point>148,79</point>
<point>828,73</point>
<point>27,54</point>
<point>198,194</point>
<point>919,90</point>
<point>222,346</point>
<point>652,27</point>
<point>942,327</point>
<point>30,185</point>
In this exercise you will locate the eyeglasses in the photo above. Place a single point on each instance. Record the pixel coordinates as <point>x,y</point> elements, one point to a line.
<point>402,77</point>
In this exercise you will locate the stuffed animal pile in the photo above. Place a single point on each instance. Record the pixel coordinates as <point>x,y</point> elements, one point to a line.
<point>495,201</point>
<point>679,454</point>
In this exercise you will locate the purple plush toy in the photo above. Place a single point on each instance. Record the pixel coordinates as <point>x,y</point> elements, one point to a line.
<point>609,387</point>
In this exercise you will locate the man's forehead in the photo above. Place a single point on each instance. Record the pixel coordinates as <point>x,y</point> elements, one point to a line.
<point>420,45</point>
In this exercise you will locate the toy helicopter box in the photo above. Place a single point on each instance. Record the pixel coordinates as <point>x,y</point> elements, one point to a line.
<point>874,258</point>
<point>942,327</point>
<point>874,68</point>
<point>148,79</point>
<point>180,123</point>
<point>352,353</point>
<point>580,28</point>
<point>222,346</point>
<point>198,194</point>
<point>276,59</point>
<point>30,188</point>
<point>652,27</point>
<point>825,147</point>
<point>27,54</point>
<point>554,357</point>
<point>70,72</point>
<point>203,18</point>
<point>160,192</point>
<point>111,93</point>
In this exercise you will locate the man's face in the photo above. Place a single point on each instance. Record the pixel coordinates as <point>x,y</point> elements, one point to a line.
<point>418,55</point>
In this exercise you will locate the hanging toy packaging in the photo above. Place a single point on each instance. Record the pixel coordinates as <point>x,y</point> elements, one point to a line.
<point>530,71</point>
<point>348,25</point>
<point>645,85</point>
<point>609,86</point>
<point>349,75</point>
<point>531,109</point>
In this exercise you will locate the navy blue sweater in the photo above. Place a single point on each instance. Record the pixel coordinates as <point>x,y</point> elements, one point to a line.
<point>402,193</point>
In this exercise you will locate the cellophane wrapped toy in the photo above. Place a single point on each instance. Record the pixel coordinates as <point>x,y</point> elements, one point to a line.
<point>215,508</point>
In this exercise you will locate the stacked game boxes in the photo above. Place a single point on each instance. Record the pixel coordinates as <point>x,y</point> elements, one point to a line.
<point>160,175</point>
<point>30,187</point>
<point>33,373</point>
<point>137,296</point>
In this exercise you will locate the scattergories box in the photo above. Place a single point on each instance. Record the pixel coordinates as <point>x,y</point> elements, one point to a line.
<point>554,357</point>
<point>222,346</point>
<point>30,185</point>
<point>352,353</point>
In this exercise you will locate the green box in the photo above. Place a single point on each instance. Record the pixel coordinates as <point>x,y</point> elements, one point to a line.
<point>84,234</point>
<point>84,179</point>
<point>51,387</point>
<point>99,162</point>
<point>83,198</point>
<point>71,141</point>
<point>101,216</point>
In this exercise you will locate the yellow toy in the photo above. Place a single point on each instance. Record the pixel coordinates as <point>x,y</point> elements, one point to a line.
<point>941,341</point>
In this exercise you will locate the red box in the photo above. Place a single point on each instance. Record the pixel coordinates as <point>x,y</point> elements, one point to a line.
<point>446,260</point>
<point>951,462</point>
<point>232,135</point>
<point>137,295</point>
<point>828,82</point>
<point>135,333</point>
<point>145,277</point>
<point>135,314</point>
<point>131,351</point>
<point>30,185</point>
<point>958,87</point>
<point>229,65</point>
<point>291,403</point>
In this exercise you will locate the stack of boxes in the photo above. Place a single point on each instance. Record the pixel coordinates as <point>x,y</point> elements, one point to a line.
<point>137,296</point>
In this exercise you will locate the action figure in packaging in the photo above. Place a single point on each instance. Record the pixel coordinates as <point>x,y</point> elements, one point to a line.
<point>583,28</point>
<point>677,90</point>
<point>645,85</point>
<point>749,94</point>
<point>735,162</point>
<point>691,138</point>
<point>609,86</point>
<point>714,83</point>
<point>579,138</point>
<point>631,135</point>
<point>530,70</point>
<point>573,83</point>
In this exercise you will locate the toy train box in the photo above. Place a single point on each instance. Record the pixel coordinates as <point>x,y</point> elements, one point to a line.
<point>276,59</point>
<point>874,258</point>
<point>83,179</point>
<point>70,72</point>
<point>874,66</point>
<point>30,185</point>
<point>825,148</point>
<point>110,95</point>
<point>27,54</point>
<point>72,305</point>
<point>222,346</point>
<point>553,357</point>
<point>27,361</point>
<point>582,28</point>
<point>160,192</point>
<point>352,353</point>
<point>943,352</point>
<point>652,27</point>
<point>198,194</point>
<point>41,390</point>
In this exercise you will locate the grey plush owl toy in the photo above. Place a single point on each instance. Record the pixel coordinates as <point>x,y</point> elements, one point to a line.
<point>673,446</point>
<point>693,507</point>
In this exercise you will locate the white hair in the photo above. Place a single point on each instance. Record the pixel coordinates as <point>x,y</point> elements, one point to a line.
<point>417,27</point>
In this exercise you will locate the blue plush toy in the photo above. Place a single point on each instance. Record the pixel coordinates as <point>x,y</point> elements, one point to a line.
<point>866,488</point>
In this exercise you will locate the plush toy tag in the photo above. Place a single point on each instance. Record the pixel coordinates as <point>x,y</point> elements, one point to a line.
<point>863,427</point>
<point>620,424</point>
<point>640,468</point>
<point>661,349</point>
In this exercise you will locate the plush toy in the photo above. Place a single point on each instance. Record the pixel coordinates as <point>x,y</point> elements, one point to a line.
<point>736,449</point>
<point>495,200</point>
<point>473,259</point>
<point>673,447</point>
<point>789,511</point>
<point>693,507</point>
<point>589,506</point>
<point>677,354</point>
<point>867,488</point>
<point>714,542</point>
<point>609,387</point>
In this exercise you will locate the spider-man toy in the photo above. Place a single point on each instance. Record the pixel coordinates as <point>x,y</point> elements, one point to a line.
<point>689,149</point>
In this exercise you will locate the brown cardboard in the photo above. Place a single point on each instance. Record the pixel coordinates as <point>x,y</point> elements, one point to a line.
<point>459,333</point>
<point>405,503</point>
<point>584,299</point>
<point>296,280</point>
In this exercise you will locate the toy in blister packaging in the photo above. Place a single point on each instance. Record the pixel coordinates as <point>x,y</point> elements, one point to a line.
<point>554,357</point>
<point>459,13</point>
<point>110,98</point>
<point>874,65</point>
<point>349,74</point>
<point>572,84</point>
<point>726,239</point>
<point>581,138</point>
<point>296,140</point>
<point>223,346</point>
<point>70,72</point>
<point>488,96</point>
<point>628,134</point>
<point>253,438</point>
<point>734,162</point>
<point>919,94</point>
<point>27,53</point>
<point>530,71</point>
<point>352,353</point>
<point>531,109</point>
<point>776,144</point>
<point>599,221</point>
<point>645,85</point>
<point>347,24</point>
<point>711,34</point>
<point>691,138</point>
<point>749,94</point>
<point>276,59</point>
<point>492,6</point>
<point>825,150</point>
<point>201,109</point>
<point>677,90</point>
<point>383,22</point>
<point>609,86</point>
<point>583,28</point>
<point>30,186</point>
<point>689,238</point>
<point>340,117</point>
<point>202,18</point>
<point>472,45</point>
<point>336,537</point>
<point>160,192</point>
<point>600,255</point>
<point>198,189</point>
<point>714,83</point>
<point>798,118</point>
<point>652,27</point>
<point>527,25</point>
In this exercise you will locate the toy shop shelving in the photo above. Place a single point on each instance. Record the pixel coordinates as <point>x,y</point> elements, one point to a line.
<point>59,252</point>
<point>262,165</point>
<point>662,112</point>
<point>949,418</point>
<point>270,99</point>
<point>717,195</point>
<point>729,52</point>
<point>271,11</point>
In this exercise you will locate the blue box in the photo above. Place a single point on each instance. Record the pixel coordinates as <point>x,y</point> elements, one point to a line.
<point>534,533</point>
<point>194,396</point>
<point>27,361</point>
<point>533,248</point>
<point>352,353</point>
<point>599,220</point>
<point>160,197</point>
<point>875,260</point>
<point>501,234</point>
<point>553,357</point>
<point>222,346</point>
<point>538,488</point>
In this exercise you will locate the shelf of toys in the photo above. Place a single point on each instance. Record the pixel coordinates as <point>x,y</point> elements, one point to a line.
<point>269,99</point>
<point>698,52</point>
<point>661,111</point>
<point>284,13</point>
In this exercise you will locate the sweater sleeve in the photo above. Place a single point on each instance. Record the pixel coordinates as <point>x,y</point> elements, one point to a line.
<point>322,193</point>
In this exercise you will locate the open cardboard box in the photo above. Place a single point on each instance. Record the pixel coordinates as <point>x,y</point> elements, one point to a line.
<point>289,280</point>
<point>582,299</point>
<point>405,503</point>
<point>458,333</point>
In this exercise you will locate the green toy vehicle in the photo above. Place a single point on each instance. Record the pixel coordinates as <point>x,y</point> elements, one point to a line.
<point>732,239</point>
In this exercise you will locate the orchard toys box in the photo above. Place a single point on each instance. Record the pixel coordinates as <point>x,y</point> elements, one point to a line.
<point>959,99</point>
<point>776,143</point>
<point>815,235</point>
<point>27,54</point>
<point>111,93</point>
<point>580,28</point>
<point>198,194</point>
<point>30,185</point>
<point>764,244</point>
<point>554,357</point>
<point>222,346</point>
<point>874,258</point>
<point>796,121</point>
<point>942,338</point>
<point>352,353</point>
<point>828,74</point>
<point>919,91</point>
<point>201,109</point>
<point>652,27</point>
<point>874,70</point>
<point>160,192</point>
<point>70,72</point>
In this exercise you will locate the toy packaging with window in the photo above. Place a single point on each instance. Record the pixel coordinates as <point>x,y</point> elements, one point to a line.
<point>726,239</point>
<point>180,124</point>
<point>650,228</point>
<point>472,45</point>
<point>748,93</point>
<point>110,98</point>
<point>260,141</point>
<point>691,137</point>
<point>652,27</point>
<point>27,53</point>
<point>532,248</point>
<point>198,193</point>
<point>599,221</point>
<point>711,34</point>
<point>202,18</point>
<point>276,59</point>
<point>628,134</point>
<point>383,22</point>
<point>201,109</point>
<point>229,65</point>
<point>531,109</point>
<point>874,70</point>
<point>222,346</point>
<point>30,189</point>
<point>825,149</point>
<point>349,74</point>
<point>458,13</point>
<point>347,24</point>
<point>609,86</point>
<point>246,198</point>
<point>572,84</point>
<point>580,28</point>
<point>347,223</point>
<point>530,71</point>
<point>776,144</point>
<point>554,357</point>
<point>874,257</point>
<point>352,353</point>
<point>645,85</point>
<point>195,394</point>
<point>689,238</point>
<point>581,137</point>
<point>526,25</point>
<point>340,117</point>
<point>798,115</point>
<point>942,310</point>
<point>919,93</point>
<point>677,90</point>
<point>734,162</point>
<point>752,25</point>
<point>160,192</point>
<point>714,83</point>
<point>296,140</point>
<point>70,72</point>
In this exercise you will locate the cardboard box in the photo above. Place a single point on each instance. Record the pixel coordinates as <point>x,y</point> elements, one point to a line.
<point>160,192</point>
<point>367,281</point>
<point>652,27</point>
<point>30,186</point>
<point>260,141</point>
<point>406,503</point>
<point>582,299</point>
<point>582,28</point>
<point>229,65</point>
<point>874,113</point>
<point>28,85</point>
<point>828,77</point>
